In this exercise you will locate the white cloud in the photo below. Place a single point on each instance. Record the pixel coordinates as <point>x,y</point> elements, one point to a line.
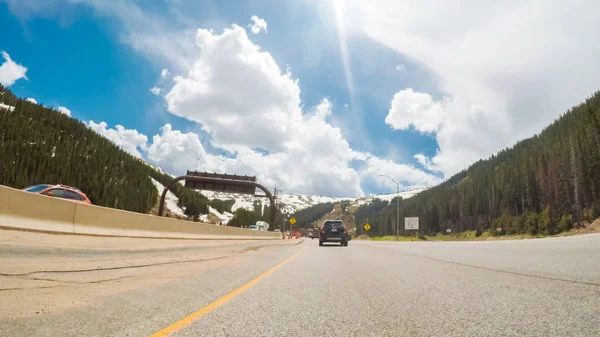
<point>298,152</point>
<point>257,25</point>
<point>400,67</point>
<point>177,152</point>
<point>164,73</point>
<point>311,168</point>
<point>507,68</point>
<point>426,162</point>
<point>32,100</point>
<point>417,109</point>
<point>155,91</point>
<point>246,100</point>
<point>406,175</point>
<point>10,71</point>
<point>64,110</point>
<point>129,140</point>
<point>323,110</point>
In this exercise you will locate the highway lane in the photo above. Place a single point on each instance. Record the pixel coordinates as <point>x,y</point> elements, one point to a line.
<point>377,289</point>
<point>548,287</point>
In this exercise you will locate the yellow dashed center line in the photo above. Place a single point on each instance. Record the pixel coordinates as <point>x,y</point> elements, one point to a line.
<point>214,305</point>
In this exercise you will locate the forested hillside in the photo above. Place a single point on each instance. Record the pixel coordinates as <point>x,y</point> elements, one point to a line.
<point>545,183</point>
<point>305,218</point>
<point>41,145</point>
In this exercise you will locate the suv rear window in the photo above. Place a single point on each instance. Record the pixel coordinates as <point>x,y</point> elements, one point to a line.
<point>333,224</point>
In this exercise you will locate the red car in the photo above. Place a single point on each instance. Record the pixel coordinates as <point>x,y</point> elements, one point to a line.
<point>59,191</point>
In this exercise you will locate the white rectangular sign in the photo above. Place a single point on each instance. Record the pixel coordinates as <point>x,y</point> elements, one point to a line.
<point>411,223</point>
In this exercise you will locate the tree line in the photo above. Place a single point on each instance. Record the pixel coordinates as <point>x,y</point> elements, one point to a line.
<point>41,145</point>
<point>306,217</point>
<point>544,184</point>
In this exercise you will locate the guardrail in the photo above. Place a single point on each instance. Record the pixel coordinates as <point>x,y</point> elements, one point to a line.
<point>28,211</point>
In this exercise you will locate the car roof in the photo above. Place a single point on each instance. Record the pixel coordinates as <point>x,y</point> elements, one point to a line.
<point>65,187</point>
<point>69,187</point>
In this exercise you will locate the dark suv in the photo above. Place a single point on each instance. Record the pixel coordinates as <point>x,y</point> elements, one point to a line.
<point>334,231</point>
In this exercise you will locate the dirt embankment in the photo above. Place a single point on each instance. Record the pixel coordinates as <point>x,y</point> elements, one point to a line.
<point>338,213</point>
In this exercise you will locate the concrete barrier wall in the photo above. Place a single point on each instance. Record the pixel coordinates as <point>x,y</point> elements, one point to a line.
<point>22,210</point>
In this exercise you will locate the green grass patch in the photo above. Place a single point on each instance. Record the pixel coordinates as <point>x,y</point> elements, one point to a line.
<point>466,236</point>
<point>393,238</point>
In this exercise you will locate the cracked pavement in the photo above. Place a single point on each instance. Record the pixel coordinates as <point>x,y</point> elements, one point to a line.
<point>58,272</point>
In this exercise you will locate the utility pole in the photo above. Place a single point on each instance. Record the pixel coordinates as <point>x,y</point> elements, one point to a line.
<point>276,206</point>
<point>397,203</point>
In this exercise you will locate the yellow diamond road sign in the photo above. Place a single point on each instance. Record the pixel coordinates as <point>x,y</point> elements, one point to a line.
<point>292,221</point>
<point>367,226</point>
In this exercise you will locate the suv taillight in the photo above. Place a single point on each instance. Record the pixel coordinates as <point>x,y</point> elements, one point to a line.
<point>345,230</point>
<point>323,230</point>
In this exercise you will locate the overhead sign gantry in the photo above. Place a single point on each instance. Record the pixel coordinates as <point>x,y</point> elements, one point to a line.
<point>230,183</point>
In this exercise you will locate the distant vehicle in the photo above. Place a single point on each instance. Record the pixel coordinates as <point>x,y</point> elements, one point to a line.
<point>259,226</point>
<point>59,191</point>
<point>314,233</point>
<point>278,230</point>
<point>334,231</point>
<point>263,224</point>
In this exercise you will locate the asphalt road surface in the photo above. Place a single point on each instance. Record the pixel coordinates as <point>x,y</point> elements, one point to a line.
<point>546,287</point>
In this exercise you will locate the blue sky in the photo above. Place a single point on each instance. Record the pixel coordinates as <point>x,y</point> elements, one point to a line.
<point>408,104</point>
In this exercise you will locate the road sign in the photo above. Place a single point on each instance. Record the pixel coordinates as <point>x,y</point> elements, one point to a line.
<point>367,227</point>
<point>292,221</point>
<point>448,230</point>
<point>221,182</point>
<point>411,223</point>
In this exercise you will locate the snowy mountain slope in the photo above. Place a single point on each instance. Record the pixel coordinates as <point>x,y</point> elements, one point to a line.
<point>289,203</point>
<point>388,197</point>
<point>171,199</point>
<point>155,167</point>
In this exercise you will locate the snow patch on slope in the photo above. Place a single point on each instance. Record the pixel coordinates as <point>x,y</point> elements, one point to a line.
<point>223,217</point>
<point>6,107</point>
<point>171,199</point>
